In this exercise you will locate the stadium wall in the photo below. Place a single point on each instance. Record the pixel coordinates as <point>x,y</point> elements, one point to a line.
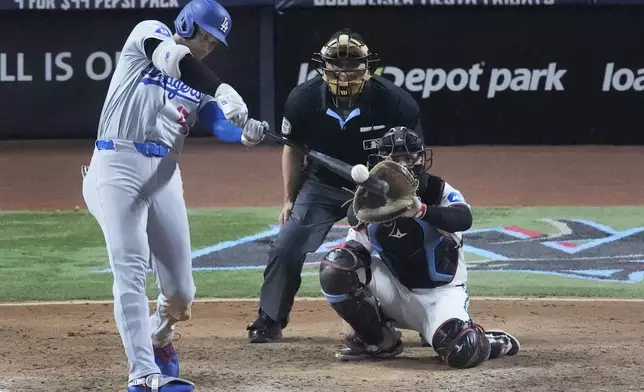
<point>561,73</point>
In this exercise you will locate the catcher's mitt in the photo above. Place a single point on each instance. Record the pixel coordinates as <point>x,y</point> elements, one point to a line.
<point>373,208</point>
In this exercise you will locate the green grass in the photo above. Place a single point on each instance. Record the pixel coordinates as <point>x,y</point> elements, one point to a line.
<point>617,217</point>
<point>245,284</point>
<point>49,255</point>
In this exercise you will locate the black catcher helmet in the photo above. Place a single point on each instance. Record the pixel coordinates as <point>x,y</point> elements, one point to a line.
<point>403,145</point>
<point>345,65</point>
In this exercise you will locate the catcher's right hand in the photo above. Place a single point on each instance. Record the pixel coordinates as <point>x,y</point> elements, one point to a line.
<point>373,208</point>
<point>417,209</point>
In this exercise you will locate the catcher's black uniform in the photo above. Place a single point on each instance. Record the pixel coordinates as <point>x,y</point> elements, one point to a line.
<point>312,120</point>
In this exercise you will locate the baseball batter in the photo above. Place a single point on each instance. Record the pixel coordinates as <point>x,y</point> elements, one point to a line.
<point>133,187</point>
<point>419,279</point>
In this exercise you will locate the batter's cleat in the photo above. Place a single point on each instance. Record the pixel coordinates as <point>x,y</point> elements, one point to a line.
<point>167,360</point>
<point>159,383</point>
<point>264,329</point>
<point>502,343</point>
<point>355,349</point>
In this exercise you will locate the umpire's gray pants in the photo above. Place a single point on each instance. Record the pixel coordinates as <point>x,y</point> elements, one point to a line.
<point>316,209</point>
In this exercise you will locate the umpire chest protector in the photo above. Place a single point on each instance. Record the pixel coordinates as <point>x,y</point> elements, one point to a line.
<point>351,134</point>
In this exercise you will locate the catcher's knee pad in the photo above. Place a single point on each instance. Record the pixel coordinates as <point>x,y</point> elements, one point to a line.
<point>461,344</point>
<point>345,270</point>
<point>344,274</point>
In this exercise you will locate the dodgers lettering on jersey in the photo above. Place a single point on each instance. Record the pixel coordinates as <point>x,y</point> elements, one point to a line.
<point>144,104</point>
<point>173,87</point>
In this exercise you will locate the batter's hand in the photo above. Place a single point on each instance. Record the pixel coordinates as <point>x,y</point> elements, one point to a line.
<point>253,132</point>
<point>287,208</point>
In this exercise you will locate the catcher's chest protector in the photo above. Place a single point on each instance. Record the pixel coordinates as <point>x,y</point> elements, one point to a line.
<point>415,252</point>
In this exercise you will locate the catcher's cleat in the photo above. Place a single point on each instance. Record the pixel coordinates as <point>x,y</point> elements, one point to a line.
<point>355,349</point>
<point>502,344</point>
<point>264,329</point>
<point>167,360</point>
<point>159,383</point>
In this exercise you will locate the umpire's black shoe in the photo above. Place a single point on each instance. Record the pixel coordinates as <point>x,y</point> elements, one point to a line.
<point>264,329</point>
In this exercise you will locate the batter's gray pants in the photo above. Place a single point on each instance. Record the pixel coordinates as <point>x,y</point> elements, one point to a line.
<point>316,209</point>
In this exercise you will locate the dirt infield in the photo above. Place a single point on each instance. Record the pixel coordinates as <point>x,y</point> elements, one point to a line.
<point>46,175</point>
<point>566,346</point>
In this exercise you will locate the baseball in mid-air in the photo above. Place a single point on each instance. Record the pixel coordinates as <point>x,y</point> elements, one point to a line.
<point>359,173</point>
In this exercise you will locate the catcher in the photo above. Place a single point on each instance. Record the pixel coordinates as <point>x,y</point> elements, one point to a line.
<point>418,282</point>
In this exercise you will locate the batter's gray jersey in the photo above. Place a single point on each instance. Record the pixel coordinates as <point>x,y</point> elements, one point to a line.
<point>142,103</point>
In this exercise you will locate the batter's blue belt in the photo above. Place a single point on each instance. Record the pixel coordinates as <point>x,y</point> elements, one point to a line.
<point>149,149</point>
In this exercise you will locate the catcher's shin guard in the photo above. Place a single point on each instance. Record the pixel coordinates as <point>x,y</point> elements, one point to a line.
<point>461,344</point>
<point>344,275</point>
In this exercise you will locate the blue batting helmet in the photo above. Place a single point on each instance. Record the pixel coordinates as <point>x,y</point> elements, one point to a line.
<point>208,15</point>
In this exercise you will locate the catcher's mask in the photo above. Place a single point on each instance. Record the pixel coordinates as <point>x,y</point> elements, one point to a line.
<point>403,146</point>
<point>345,62</point>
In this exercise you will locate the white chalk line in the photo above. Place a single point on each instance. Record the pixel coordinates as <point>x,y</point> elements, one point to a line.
<point>220,300</point>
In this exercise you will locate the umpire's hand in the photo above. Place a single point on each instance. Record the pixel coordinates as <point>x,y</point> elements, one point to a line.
<point>287,208</point>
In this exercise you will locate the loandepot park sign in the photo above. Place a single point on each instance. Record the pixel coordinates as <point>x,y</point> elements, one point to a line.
<point>493,82</point>
<point>476,78</point>
<point>579,248</point>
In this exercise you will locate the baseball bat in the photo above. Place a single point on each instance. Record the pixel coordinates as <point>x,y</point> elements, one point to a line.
<point>337,166</point>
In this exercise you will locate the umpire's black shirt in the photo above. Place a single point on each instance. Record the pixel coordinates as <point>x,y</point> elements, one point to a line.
<point>311,119</point>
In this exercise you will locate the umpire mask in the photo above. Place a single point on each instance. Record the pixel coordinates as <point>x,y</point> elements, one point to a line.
<point>344,64</point>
